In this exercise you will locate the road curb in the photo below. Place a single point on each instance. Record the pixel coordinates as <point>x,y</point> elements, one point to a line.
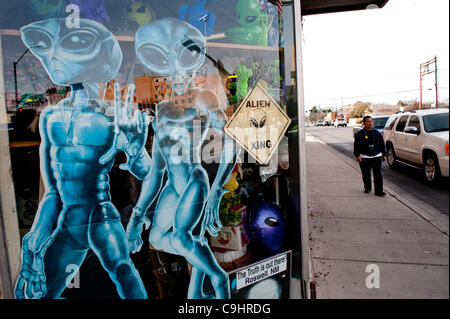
<point>417,210</point>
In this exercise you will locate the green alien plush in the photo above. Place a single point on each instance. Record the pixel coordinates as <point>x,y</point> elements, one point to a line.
<point>253,24</point>
<point>243,75</point>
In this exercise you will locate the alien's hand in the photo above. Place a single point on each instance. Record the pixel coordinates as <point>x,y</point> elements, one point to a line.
<point>130,133</point>
<point>211,221</point>
<point>134,229</point>
<point>243,73</point>
<point>31,282</point>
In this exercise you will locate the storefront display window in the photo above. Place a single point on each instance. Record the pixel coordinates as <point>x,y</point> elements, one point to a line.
<point>153,148</point>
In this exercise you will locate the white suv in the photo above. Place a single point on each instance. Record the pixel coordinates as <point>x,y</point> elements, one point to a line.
<point>340,122</point>
<point>420,139</point>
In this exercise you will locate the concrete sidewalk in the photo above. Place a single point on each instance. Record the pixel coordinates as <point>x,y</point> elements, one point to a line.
<point>349,230</point>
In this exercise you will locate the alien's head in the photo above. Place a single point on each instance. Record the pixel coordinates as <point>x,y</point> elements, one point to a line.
<point>247,12</point>
<point>258,119</point>
<point>140,12</point>
<point>172,48</point>
<point>89,53</point>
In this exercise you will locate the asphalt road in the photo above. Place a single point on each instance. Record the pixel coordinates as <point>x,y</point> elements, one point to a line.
<point>407,181</point>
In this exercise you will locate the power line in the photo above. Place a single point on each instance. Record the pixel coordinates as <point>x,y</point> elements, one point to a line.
<point>370,95</point>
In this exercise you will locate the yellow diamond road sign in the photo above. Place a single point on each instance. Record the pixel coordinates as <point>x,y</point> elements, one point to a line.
<point>258,125</point>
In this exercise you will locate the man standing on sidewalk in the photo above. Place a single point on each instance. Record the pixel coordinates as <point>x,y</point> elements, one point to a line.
<point>370,152</point>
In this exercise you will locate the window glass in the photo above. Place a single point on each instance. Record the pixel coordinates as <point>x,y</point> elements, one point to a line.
<point>436,122</point>
<point>402,123</point>
<point>414,121</point>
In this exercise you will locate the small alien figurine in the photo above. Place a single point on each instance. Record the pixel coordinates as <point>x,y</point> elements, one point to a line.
<point>199,17</point>
<point>174,48</point>
<point>253,24</point>
<point>140,12</point>
<point>76,153</point>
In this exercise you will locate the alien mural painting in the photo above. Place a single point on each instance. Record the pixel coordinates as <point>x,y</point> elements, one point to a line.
<point>176,50</point>
<point>80,137</point>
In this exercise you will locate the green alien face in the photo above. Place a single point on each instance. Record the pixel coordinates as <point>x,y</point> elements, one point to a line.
<point>247,12</point>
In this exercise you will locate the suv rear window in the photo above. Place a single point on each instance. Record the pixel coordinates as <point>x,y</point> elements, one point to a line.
<point>402,123</point>
<point>435,122</point>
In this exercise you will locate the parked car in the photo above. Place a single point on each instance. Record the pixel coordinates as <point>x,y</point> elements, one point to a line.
<point>419,139</point>
<point>379,122</point>
<point>340,122</point>
<point>327,123</point>
<point>319,123</point>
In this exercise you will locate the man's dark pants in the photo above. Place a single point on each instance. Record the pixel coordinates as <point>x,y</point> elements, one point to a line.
<point>375,164</point>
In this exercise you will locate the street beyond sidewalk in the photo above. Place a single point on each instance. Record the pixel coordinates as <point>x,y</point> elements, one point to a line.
<point>356,236</point>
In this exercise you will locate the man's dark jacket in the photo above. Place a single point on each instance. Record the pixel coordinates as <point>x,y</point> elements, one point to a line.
<point>361,145</point>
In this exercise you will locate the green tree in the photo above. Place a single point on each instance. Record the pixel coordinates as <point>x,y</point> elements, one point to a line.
<point>361,109</point>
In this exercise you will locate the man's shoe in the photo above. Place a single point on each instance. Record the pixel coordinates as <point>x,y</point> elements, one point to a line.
<point>381,194</point>
<point>367,191</point>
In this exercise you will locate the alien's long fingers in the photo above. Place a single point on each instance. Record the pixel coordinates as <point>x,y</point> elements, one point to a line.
<point>19,288</point>
<point>138,121</point>
<point>43,288</point>
<point>110,154</point>
<point>215,226</point>
<point>117,105</point>
<point>36,288</point>
<point>129,100</point>
<point>202,234</point>
<point>29,287</point>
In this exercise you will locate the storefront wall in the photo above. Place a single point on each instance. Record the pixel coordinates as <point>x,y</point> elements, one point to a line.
<point>124,124</point>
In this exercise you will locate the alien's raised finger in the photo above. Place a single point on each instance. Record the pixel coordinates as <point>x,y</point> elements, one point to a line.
<point>117,103</point>
<point>130,98</point>
<point>29,287</point>
<point>138,121</point>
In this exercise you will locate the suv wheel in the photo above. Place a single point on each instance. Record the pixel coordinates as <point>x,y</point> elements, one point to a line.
<point>431,168</point>
<point>391,157</point>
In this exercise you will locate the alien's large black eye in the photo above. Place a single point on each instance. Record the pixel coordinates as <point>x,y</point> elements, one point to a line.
<point>78,40</point>
<point>153,55</point>
<point>251,19</point>
<point>37,40</point>
<point>271,221</point>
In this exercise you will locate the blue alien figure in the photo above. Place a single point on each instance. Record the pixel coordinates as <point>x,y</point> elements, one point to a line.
<point>174,48</point>
<point>198,16</point>
<point>92,9</point>
<point>80,137</point>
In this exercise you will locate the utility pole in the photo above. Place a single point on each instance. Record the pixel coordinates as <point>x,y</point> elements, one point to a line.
<point>425,70</point>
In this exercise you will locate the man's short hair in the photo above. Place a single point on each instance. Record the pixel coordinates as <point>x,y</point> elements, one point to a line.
<point>366,117</point>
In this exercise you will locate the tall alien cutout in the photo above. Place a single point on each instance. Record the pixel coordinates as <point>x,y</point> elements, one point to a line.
<point>174,48</point>
<point>77,151</point>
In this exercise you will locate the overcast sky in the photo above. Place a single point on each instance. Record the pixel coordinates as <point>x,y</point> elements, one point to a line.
<point>367,55</point>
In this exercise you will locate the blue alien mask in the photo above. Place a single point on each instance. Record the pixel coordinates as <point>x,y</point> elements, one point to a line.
<point>89,53</point>
<point>173,48</point>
